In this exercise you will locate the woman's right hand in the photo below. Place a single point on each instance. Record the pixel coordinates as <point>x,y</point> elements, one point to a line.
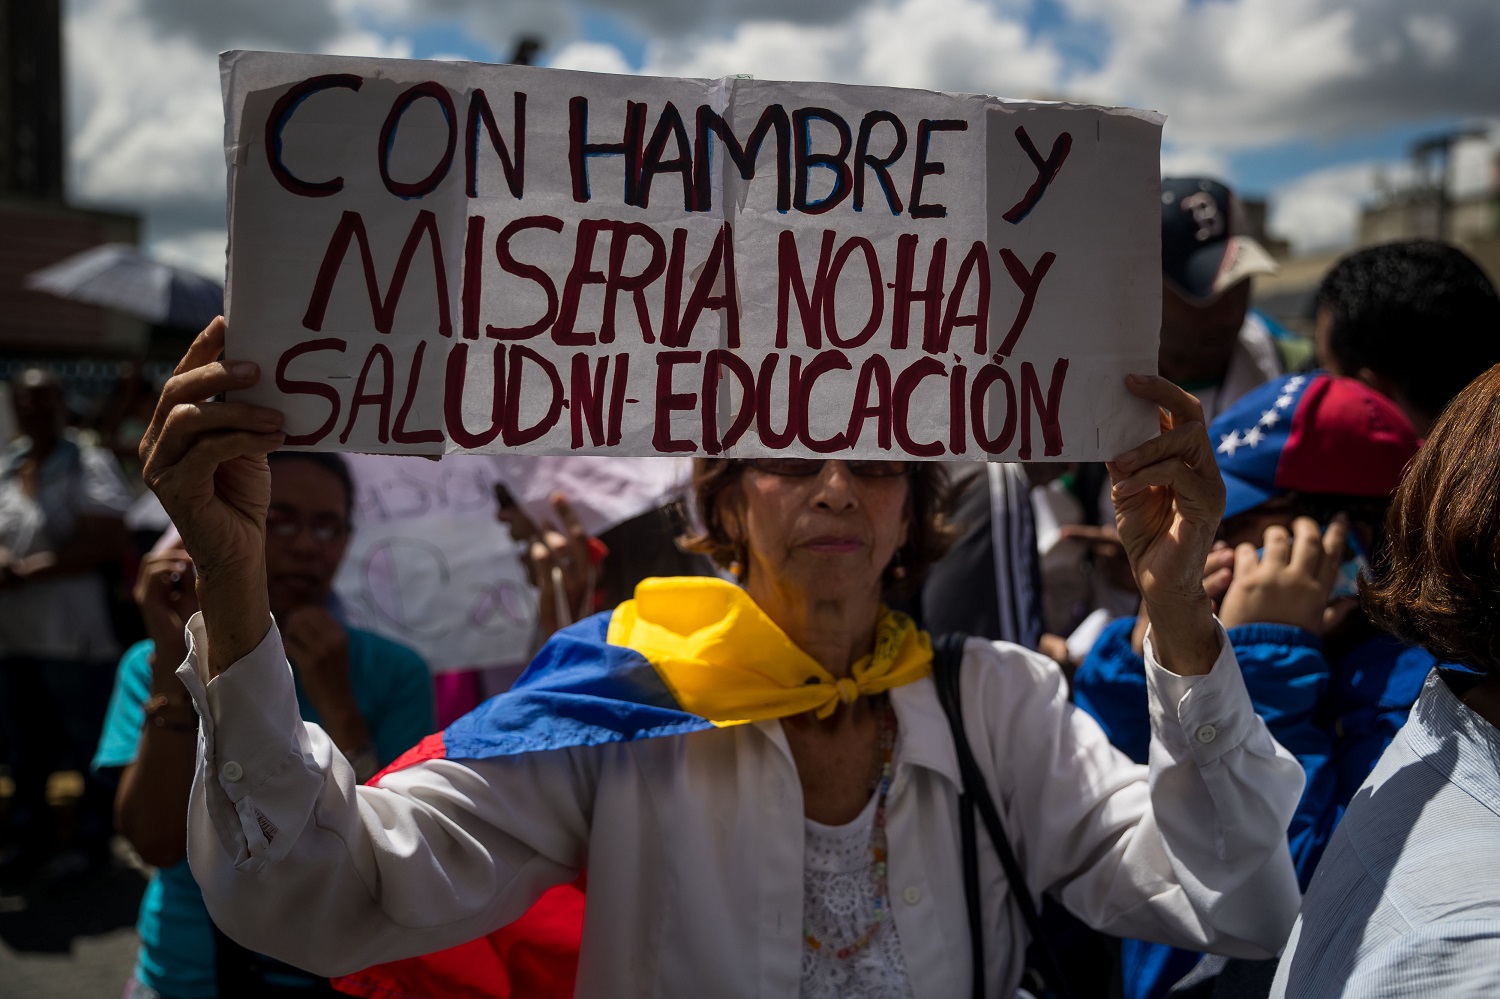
<point>206,462</point>
<point>164,593</point>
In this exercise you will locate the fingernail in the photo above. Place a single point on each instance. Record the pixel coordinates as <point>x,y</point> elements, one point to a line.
<point>243,369</point>
<point>1134,379</point>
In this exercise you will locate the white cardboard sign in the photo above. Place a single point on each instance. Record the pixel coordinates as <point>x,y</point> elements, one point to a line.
<point>434,257</point>
<point>429,564</point>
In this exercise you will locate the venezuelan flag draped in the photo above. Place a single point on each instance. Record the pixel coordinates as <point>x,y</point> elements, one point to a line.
<point>686,655</point>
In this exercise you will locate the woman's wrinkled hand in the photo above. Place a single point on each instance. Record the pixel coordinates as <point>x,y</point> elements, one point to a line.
<point>1169,499</point>
<point>206,460</point>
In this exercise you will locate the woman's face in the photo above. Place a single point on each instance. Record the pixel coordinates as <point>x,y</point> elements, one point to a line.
<point>829,535</point>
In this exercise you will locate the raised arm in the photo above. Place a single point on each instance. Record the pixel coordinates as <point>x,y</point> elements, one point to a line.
<point>1192,852</point>
<point>1168,500</point>
<point>151,801</point>
<point>206,462</point>
<point>295,859</point>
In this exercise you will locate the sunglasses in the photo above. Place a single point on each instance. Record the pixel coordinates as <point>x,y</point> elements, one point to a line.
<point>803,467</point>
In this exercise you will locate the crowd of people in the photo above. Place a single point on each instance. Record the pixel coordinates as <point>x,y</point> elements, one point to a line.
<point>762,731</point>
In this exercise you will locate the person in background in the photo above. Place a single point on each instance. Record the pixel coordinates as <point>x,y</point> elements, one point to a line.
<point>1211,343</point>
<point>1407,899</point>
<point>61,509</point>
<point>1416,320</point>
<point>989,582</point>
<point>1214,346</point>
<point>1309,463</point>
<point>373,696</point>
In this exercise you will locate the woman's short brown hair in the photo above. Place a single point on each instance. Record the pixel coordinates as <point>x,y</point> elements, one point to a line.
<point>929,532</point>
<point>1437,581</point>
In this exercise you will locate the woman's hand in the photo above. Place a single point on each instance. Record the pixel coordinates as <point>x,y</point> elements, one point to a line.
<point>164,593</point>
<point>206,462</point>
<point>560,564</point>
<point>1169,498</point>
<point>1291,583</point>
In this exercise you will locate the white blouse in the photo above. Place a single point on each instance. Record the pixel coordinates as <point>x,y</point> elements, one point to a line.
<point>694,845</point>
<point>838,906</point>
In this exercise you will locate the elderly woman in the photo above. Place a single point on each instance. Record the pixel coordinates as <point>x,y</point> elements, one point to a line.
<point>1406,901</point>
<point>759,781</point>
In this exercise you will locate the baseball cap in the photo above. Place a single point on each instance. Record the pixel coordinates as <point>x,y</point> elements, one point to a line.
<point>1310,433</point>
<point>1202,251</point>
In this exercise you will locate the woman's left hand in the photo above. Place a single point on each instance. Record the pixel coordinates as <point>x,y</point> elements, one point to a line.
<point>1169,499</point>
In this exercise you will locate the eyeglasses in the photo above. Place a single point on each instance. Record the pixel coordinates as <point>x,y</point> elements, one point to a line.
<point>802,467</point>
<point>324,528</point>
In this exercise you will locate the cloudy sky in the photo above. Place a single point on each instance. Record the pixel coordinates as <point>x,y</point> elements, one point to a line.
<point>1311,103</point>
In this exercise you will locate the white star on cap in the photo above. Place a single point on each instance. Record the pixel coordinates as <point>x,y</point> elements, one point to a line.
<point>1295,383</point>
<point>1253,436</point>
<point>1270,418</point>
<point>1230,443</point>
<point>1285,401</point>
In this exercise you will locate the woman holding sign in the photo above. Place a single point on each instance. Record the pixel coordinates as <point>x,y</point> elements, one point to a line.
<point>759,779</point>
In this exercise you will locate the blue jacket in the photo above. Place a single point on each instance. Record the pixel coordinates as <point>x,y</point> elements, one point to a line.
<point>1335,718</point>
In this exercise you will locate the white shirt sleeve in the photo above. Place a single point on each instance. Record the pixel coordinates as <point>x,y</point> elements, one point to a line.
<point>104,492</point>
<point>439,854</point>
<point>1191,851</point>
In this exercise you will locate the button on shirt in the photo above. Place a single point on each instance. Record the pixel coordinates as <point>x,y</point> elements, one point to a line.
<point>1406,901</point>
<point>693,844</point>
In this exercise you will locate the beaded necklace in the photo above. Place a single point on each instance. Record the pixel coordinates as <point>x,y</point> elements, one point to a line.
<point>886,744</point>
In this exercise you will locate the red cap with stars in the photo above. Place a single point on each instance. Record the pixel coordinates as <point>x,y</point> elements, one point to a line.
<point>1310,433</point>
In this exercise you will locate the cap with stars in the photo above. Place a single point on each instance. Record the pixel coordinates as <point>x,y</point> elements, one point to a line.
<point>1310,433</point>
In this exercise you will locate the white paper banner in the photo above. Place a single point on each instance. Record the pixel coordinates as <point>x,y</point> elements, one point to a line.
<point>429,565</point>
<point>435,257</point>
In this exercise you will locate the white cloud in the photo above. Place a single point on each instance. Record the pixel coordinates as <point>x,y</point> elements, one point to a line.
<point>1193,161</point>
<point>1321,210</point>
<point>591,57</point>
<point>146,120</point>
<point>201,250</point>
<point>961,45</point>
<point>1245,73</point>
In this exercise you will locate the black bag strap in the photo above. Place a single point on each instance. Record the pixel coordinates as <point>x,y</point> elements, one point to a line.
<point>947,662</point>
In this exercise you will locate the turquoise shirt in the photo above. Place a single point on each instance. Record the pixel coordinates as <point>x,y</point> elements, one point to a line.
<point>393,690</point>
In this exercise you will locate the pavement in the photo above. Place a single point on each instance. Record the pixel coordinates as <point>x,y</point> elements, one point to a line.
<point>73,936</point>
<point>70,935</point>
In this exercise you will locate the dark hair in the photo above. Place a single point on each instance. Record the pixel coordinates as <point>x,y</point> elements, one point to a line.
<point>1437,580</point>
<point>1418,312</point>
<point>927,538</point>
<point>333,464</point>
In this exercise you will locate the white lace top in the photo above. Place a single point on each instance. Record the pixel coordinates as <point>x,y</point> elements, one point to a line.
<point>838,905</point>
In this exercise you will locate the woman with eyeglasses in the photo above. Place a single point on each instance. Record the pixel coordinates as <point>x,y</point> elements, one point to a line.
<point>372,696</point>
<point>758,778</point>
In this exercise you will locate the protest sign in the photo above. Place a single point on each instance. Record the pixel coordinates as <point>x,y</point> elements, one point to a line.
<point>436,257</point>
<point>429,565</point>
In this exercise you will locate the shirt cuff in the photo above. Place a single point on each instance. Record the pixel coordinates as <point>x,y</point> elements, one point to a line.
<point>250,731</point>
<point>1203,716</point>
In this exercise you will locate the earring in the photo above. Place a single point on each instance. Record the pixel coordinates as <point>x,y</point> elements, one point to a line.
<point>737,564</point>
<point>898,571</point>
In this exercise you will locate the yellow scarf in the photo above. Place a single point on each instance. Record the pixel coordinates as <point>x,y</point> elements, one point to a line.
<point>725,661</point>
